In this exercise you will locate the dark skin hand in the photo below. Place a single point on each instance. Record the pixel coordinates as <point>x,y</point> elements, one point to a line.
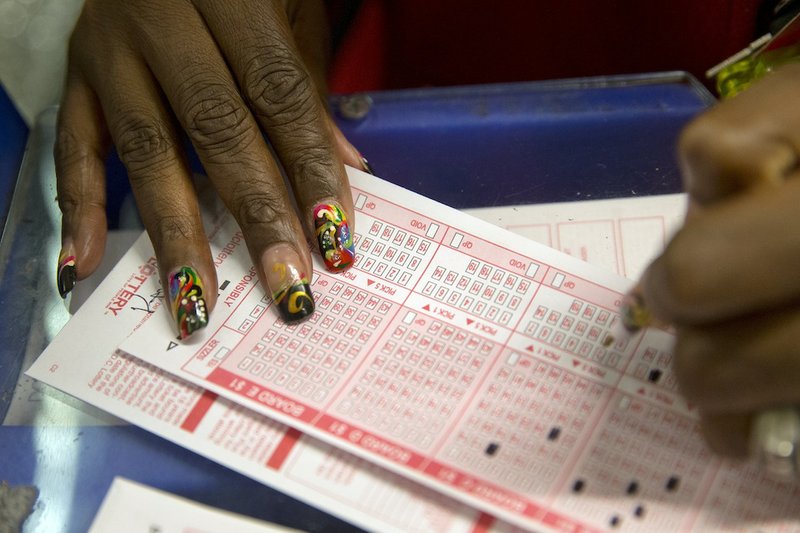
<point>728,281</point>
<point>226,74</point>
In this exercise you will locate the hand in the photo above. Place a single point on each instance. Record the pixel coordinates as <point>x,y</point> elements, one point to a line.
<point>729,279</point>
<point>225,73</point>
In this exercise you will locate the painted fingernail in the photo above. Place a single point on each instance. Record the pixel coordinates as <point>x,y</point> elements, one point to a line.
<point>333,236</point>
<point>188,302</point>
<point>66,275</point>
<point>366,164</point>
<point>635,314</point>
<point>288,283</point>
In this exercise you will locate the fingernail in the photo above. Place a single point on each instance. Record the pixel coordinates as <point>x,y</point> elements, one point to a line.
<point>366,164</point>
<point>333,236</point>
<point>188,302</point>
<point>635,314</point>
<point>66,275</point>
<point>288,283</point>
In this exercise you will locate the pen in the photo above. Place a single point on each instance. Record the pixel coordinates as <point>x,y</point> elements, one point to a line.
<point>775,432</point>
<point>759,58</point>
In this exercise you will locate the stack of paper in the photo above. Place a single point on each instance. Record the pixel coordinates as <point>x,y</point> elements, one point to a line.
<point>458,378</point>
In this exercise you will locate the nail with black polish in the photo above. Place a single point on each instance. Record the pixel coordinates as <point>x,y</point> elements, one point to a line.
<point>366,165</point>
<point>288,283</point>
<point>66,275</point>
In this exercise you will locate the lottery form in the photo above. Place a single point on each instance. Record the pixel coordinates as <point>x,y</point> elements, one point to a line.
<point>620,234</point>
<point>247,442</point>
<point>479,364</point>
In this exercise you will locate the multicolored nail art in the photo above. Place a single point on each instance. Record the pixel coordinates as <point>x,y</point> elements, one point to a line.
<point>187,301</point>
<point>333,235</point>
<point>635,315</point>
<point>293,298</point>
<point>66,275</point>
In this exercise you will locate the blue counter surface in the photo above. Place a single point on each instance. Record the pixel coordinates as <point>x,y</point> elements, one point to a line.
<point>13,134</point>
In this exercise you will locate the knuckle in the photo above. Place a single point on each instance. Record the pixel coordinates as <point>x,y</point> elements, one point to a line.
<point>144,144</point>
<point>67,204</point>
<point>258,209</point>
<point>68,201</point>
<point>76,204</point>
<point>216,120</point>
<point>710,154</point>
<point>720,155</point>
<point>711,136</point>
<point>279,89</point>
<point>698,137</point>
<point>311,171</point>
<point>75,160</point>
<point>171,228</point>
<point>70,151</point>
<point>68,146</point>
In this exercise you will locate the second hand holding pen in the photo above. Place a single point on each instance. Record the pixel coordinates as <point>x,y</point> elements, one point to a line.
<point>774,433</point>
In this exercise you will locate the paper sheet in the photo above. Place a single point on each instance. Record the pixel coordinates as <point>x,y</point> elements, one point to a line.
<point>30,405</point>
<point>86,367</point>
<point>540,424</point>
<point>621,235</point>
<point>131,507</point>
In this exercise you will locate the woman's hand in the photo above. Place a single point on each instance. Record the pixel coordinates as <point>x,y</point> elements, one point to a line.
<point>225,73</point>
<point>729,280</point>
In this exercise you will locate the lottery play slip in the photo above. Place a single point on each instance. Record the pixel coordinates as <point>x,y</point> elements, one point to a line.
<point>471,377</point>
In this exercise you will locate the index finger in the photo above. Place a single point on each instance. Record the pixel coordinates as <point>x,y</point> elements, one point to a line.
<point>749,141</point>
<point>737,256</point>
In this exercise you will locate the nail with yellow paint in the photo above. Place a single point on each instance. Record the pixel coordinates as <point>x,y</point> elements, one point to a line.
<point>635,315</point>
<point>334,237</point>
<point>288,284</point>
